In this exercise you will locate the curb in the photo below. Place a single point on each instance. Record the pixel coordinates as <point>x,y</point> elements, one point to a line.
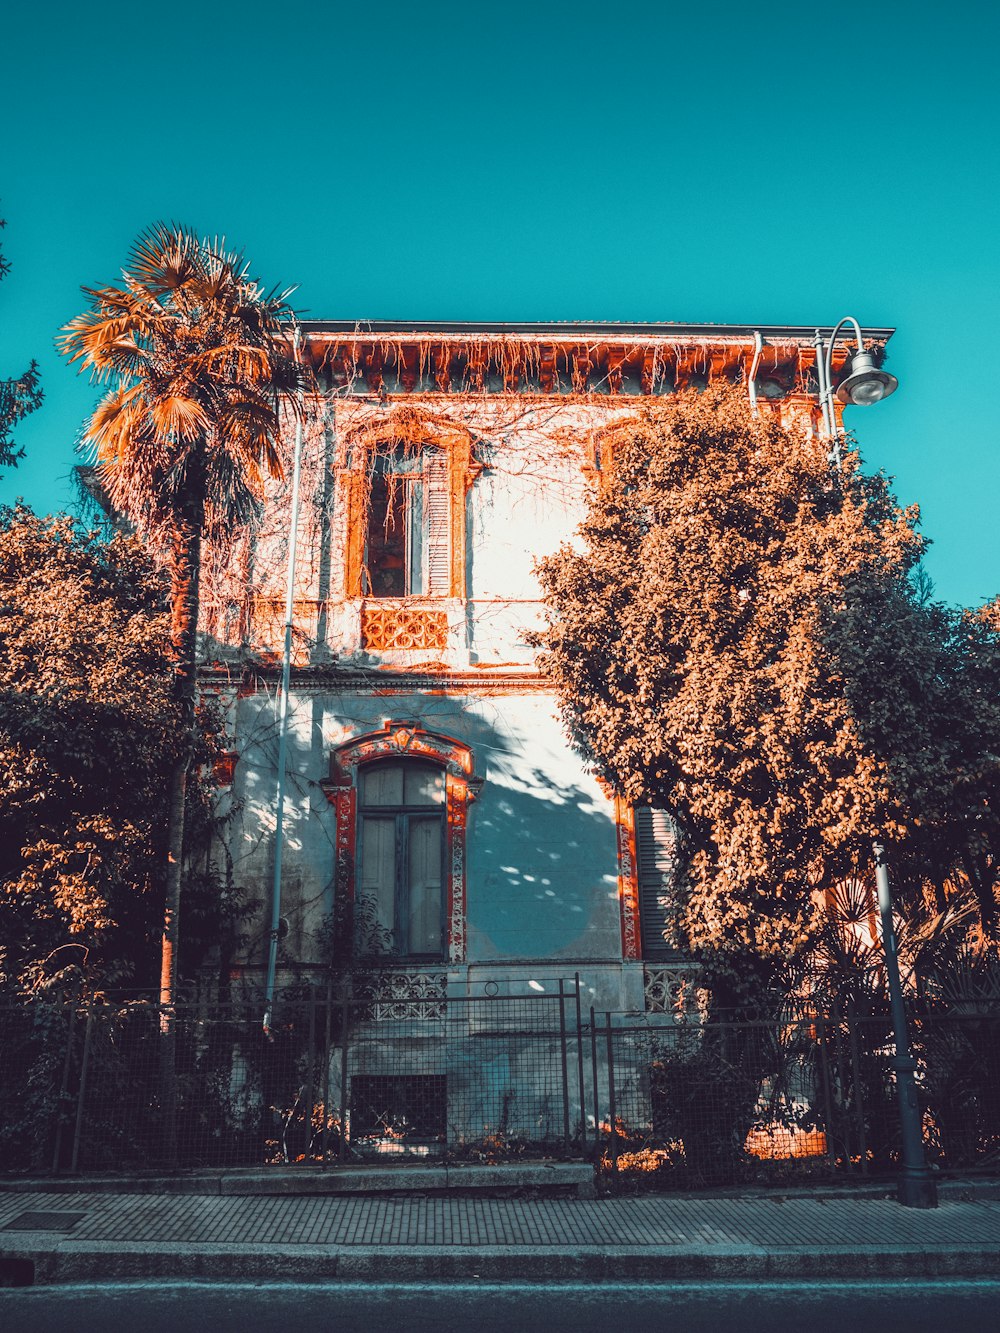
<point>124,1263</point>
<point>549,1179</point>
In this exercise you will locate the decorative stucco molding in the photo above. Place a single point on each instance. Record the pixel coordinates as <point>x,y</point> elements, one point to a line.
<point>387,626</point>
<point>461,789</point>
<point>628,880</point>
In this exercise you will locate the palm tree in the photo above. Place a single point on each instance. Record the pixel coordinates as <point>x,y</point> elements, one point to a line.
<point>197,363</point>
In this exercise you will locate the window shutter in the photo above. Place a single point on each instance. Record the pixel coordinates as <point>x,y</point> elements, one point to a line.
<point>437,519</point>
<point>375,905</point>
<point>655,853</point>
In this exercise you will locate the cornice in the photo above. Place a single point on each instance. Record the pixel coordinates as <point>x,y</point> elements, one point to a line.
<point>573,330</point>
<point>383,358</point>
<point>376,681</point>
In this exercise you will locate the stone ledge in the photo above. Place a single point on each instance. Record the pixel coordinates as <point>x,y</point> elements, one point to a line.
<point>566,1179</point>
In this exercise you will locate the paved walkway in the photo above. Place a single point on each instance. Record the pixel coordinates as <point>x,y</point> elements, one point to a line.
<point>69,1237</point>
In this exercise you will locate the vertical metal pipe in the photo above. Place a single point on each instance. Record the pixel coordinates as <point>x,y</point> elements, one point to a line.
<point>916,1188</point>
<point>824,368</point>
<point>758,345</point>
<point>823,380</point>
<point>286,668</point>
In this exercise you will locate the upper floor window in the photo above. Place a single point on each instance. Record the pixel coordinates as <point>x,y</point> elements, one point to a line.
<point>407,538</point>
<point>404,480</point>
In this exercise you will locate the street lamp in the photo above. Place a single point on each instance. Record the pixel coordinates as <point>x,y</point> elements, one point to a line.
<point>916,1187</point>
<point>865,384</point>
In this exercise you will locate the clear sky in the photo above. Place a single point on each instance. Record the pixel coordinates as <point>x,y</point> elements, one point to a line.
<point>724,162</point>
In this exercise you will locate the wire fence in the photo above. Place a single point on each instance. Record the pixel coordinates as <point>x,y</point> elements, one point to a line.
<point>402,1072</point>
<point>724,1101</point>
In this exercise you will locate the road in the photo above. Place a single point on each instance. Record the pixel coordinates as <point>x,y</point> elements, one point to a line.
<point>869,1307</point>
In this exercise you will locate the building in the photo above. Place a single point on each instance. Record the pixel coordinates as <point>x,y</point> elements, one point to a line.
<point>439,831</point>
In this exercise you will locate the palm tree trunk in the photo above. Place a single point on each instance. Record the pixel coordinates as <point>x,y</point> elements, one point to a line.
<point>185,570</point>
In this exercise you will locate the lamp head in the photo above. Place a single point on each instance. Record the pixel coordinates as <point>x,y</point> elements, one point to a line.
<point>865,384</point>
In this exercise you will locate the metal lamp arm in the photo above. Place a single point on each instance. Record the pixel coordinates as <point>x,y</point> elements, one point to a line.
<point>849,319</point>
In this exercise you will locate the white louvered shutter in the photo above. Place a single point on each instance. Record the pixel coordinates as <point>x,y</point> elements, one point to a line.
<point>437,525</point>
<point>656,852</point>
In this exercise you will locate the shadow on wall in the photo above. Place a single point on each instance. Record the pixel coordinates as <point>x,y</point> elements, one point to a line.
<point>541,868</point>
<point>542,873</point>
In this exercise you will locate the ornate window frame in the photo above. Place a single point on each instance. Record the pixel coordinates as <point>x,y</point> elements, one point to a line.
<point>630,892</point>
<point>404,425</point>
<point>628,881</point>
<point>408,739</point>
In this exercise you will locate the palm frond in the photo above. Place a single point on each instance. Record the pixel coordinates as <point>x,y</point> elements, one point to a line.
<point>198,361</point>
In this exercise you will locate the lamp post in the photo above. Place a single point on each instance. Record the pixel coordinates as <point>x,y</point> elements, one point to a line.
<point>916,1187</point>
<point>863,385</point>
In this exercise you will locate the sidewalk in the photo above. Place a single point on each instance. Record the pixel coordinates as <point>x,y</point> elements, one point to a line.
<point>57,1236</point>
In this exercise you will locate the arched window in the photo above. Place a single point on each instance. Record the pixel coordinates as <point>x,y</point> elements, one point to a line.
<point>399,906</point>
<point>401,797</point>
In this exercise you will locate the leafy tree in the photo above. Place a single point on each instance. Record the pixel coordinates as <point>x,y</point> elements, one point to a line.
<point>923,683</point>
<point>192,352</point>
<point>736,640</point>
<point>18,396</point>
<point>88,724</point>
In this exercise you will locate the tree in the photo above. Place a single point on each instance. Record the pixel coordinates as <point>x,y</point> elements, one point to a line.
<point>18,396</point>
<point>923,683</point>
<point>715,640</point>
<point>197,365</point>
<point>87,726</point>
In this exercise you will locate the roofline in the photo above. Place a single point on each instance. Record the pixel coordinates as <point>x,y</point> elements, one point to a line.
<point>571,329</point>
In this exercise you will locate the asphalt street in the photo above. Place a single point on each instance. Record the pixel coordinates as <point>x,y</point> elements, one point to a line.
<point>915,1306</point>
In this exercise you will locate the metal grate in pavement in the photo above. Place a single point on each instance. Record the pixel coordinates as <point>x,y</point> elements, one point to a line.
<point>38,1221</point>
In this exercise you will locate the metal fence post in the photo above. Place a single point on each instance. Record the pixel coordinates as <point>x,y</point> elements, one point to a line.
<point>82,1090</point>
<point>597,1090</point>
<point>579,1070</point>
<point>612,1113</point>
<point>326,1070</point>
<point>565,1067</point>
<point>824,1074</point>
<point>63,1089</point>
<point>859,1087</point>
<point>310,1088</point>
<point>344,1019</point>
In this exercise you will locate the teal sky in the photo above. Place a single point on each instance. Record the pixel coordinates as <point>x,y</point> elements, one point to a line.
<point>736,163</point>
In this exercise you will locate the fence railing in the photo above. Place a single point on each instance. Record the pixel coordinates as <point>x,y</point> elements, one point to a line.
<point>808,1093</point>
<point>402,1074</point>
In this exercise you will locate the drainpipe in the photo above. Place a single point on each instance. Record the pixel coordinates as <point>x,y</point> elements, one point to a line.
<point>286,669</point>
<point>758,346</point>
